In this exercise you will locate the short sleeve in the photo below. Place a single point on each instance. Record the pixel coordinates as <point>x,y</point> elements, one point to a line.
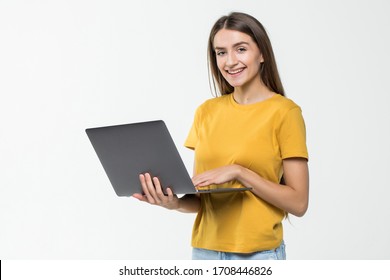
<point>292,135</point>
<point>193,135</point>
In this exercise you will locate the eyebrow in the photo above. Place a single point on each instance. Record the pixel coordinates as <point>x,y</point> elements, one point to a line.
<point>234,45</point>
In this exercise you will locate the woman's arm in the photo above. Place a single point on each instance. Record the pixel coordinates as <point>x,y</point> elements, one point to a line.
<point>292,197</point>
<point>190,203</point>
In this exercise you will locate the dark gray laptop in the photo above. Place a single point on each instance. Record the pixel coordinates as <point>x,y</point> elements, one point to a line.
<point>125,151</point>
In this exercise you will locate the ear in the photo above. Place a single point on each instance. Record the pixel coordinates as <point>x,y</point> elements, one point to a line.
<point>261,59</point>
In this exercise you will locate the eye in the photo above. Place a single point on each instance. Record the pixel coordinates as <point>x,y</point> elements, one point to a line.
<point>220,53</point>
<point>241,49</point>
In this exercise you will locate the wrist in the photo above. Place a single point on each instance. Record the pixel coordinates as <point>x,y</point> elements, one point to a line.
<point>179,204</point>
<point>238,171</point>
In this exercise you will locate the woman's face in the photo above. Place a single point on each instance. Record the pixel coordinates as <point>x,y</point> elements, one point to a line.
<point>238,57</point>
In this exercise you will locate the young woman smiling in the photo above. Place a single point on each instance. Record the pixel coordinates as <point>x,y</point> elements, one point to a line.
<point>249,135</point>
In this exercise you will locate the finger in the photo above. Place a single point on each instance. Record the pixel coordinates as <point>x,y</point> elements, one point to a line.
<point>146,189</point>
<point>151,188</point>
<point>170,194</point>
<point>204,184</point>
<point>201,178</point>
<point>158,188</point>
<point>201,181</point>
<point>197,180</point>
<point>140,197</point>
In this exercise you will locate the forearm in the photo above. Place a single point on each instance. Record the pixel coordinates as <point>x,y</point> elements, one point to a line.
<point>189,203</point>
<point>284,197</point>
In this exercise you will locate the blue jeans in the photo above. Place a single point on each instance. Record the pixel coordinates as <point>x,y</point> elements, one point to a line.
<point>274,254</point>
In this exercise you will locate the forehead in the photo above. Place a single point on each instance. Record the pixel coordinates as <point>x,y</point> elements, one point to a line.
<point>226,38</point>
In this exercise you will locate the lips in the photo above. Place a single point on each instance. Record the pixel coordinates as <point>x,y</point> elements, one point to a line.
<point>235,71</point>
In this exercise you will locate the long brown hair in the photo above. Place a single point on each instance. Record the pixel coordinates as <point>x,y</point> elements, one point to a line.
<point>249,25</point>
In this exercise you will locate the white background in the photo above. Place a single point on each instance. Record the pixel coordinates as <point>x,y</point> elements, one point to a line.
<point>69,65</point>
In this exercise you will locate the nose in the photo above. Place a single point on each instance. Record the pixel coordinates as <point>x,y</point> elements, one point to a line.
<point>231,59</point>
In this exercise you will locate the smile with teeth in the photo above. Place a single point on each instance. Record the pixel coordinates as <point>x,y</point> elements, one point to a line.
<point>233,72</point>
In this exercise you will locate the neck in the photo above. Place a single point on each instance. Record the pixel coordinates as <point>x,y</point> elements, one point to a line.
<point>253,93</point>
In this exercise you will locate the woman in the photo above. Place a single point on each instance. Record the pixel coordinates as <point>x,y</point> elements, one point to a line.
<point>251,135</point>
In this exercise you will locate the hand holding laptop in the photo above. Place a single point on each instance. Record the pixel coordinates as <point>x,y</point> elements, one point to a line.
<point>154,194</point>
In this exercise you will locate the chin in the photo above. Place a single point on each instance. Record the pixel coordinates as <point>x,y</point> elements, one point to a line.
<point>236,84</point>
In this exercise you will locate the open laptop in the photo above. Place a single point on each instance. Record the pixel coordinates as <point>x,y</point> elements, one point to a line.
<point>127,150</point>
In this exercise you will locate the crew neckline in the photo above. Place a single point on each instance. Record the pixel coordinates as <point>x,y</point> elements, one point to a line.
<point>252,105</point>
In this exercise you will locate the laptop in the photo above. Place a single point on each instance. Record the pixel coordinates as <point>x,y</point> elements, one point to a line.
<point>127,150</point>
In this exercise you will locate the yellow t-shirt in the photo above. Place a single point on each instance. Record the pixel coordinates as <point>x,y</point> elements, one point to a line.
<point>256,136</point>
